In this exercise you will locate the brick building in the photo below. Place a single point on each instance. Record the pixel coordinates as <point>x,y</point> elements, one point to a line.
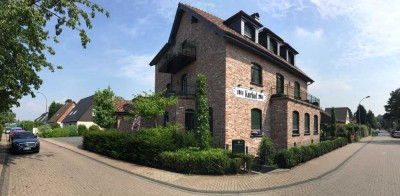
<point>254,87</point>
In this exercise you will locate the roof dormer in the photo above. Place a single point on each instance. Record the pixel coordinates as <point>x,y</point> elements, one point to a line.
<point>246,25</point>
<point>288,53</point>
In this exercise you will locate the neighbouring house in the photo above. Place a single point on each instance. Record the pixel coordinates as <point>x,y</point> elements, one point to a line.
<point>123,118</point>
<point>61,113</point>
<point>255,88</point>
<point>343,114</point>
<point>42,118</point>
<point>81,114</point>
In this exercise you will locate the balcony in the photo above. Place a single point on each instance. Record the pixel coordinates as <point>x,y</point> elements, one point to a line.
<point>289,91</point>
<point>183,92</point>
<point>173,62</point>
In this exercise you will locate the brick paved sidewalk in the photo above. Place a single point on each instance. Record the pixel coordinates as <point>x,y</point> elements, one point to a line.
<point>312,170</point>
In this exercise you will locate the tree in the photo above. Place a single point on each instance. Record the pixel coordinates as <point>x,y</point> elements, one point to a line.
<point>201,120</point>
<point>24,38</point>
<point>54,107</point>
<point>371,120</point>
<point>151,105</point>
<point>361,115</point>
<point>7,117</point>
<point>104,108</point>
<point>333,122</point>
<point>392,108</point>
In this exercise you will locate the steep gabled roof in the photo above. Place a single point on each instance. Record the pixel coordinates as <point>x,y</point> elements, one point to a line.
<point>79,110</point>
<point>42,118</point>
<point>60,112</point>
<point>217,25</point>
<point>341,113</point>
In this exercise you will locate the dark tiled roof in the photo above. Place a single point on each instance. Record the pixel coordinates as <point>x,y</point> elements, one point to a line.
<point>217,24</point>
<point>341,113</point>
<point>42,118</point>
<point>60,112</point>
<point>79,110</point>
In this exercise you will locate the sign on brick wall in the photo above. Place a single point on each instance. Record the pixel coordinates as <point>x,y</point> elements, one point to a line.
<point>248,93</point>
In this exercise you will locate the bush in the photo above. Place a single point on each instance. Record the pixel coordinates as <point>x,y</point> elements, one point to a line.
<point>285,159</point>
<point>316,150</point>
<point>195,161</point>
<point>248,160</point>
<point>73,131</point>
<point>236,164</point>
<point>82,129</point>
<point>266,151</point>
<point>141,147</point>
<point>307,153</point>
<point>184,139</point>
<point>94,128</point>
<point>54,125</point>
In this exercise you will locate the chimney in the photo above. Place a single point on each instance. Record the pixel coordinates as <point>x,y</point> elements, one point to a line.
<point>256,16</point>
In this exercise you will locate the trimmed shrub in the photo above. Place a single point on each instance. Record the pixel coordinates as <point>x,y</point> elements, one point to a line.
<point>195,161</point>
<point>307,153</point>
<point>82,129</point>
<point>73,131</point>
<point>54,125</point>
<point>285,159</point>
<point>296,155</point>
<point>141,147</point>
<point>267,151</point>
<point>184,139</point>
<point>236,164</point>
<point>316,150</point>
<point>94,128</point>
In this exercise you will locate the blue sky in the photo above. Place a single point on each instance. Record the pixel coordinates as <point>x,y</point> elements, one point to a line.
<point>350,48</point>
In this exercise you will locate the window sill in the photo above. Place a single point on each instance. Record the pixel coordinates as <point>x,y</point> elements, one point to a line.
<point>315,133</point>
<point>255,136</point>
<point>260,85</point>
<point>295,135</point>
<point>306,133</point>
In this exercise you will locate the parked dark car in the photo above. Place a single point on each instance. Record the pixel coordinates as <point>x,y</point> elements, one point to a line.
<point>24,142</point>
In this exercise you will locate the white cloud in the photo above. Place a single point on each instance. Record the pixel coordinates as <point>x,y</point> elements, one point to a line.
<point>137,68</point>
<point>279,8</point>
<point>375,25</point>
<point>311,34</point>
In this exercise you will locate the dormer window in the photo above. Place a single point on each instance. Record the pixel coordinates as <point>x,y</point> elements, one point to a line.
<point>249,31</point>
<point>273,46</point>
<point>290,58</point>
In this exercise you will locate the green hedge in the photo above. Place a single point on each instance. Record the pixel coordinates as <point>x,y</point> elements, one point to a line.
<point>141,147</point>
<point>294,156</point>
<point>47,132</point>
<point>194,161</point>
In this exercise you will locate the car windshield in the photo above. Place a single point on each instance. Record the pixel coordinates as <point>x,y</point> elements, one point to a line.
<point>16,128</point>
<point>24,135</point>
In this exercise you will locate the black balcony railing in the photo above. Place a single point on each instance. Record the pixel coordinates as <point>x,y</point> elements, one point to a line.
<point>183,91</point>
<point>289,91</point>
<point>172,62</point>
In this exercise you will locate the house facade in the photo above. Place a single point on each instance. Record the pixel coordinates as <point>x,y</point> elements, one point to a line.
<point>254,87</point>
<point>81,114</point>
<point>343,114</point>
<point>61,113</point>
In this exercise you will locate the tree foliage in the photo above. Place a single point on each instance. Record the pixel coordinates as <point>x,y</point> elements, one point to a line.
<point>151,105</point>
<point>361,115</point>
<point>333,122</point>
<point>104,108</point>
<point>24,38</point>
<point>201,120</point>
<point>54,107</point>
<point>392,108</point>
<point>7,117</point>
<point>371,120</point>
